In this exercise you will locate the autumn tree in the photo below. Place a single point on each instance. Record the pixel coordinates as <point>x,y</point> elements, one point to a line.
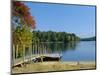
<point>21,12</point>
<point>22,22</point>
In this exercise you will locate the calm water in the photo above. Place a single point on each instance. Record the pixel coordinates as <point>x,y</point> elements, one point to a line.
<point>83,51</point>
<point>73,51</point>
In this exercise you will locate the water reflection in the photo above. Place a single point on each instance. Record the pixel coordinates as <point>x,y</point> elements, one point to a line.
<point>42,48</point>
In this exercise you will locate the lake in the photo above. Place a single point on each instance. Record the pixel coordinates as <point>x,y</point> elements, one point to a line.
<point>82,51</point>
<point>72,51</point>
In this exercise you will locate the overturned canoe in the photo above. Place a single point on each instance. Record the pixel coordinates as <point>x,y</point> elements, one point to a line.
<point>46,58</point>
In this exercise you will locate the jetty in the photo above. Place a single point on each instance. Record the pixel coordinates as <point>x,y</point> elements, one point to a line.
<point>35,55</point>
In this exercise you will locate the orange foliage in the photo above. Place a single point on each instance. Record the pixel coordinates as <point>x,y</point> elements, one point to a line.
<point>21,10</point>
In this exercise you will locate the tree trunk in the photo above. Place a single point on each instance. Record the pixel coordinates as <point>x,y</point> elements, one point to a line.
<point>23,53</point>
<point>16,51</point>
<point>30,49</point>
<point>13,51</point>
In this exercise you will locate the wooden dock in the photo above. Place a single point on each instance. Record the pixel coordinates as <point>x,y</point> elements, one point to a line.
<point>36,57</point>
<point>38,53</point>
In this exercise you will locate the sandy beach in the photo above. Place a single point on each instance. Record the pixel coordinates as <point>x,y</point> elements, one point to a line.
<point>54,66</point>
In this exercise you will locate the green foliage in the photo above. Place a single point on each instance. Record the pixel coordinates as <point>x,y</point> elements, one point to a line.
<point>55,36</point>
<point>22,36</point>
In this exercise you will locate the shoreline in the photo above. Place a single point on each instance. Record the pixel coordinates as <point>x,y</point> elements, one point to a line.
<point>79,62</point>
<point>54,66</point>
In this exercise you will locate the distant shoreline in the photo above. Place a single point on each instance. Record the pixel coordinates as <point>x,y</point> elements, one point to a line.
<point>88,39</point>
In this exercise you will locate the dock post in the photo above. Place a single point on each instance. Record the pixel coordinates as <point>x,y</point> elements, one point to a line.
<point>43,48</point>
<point>41,58</point>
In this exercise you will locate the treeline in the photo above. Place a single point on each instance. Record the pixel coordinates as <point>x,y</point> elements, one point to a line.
<point>51,36</point>
<point>89,39</point>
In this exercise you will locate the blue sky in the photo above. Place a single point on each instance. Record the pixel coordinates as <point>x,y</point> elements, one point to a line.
<point>68,18</point>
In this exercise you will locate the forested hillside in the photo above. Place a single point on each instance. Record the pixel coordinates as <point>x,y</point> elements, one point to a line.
<point>51,36</point>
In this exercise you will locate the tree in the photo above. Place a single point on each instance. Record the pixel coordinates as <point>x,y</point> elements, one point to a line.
<point>22,36</point>
<point>51,36</point>
<point>21,12</point>
<point>22,21</point>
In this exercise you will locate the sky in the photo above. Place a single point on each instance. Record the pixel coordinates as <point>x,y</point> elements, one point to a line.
<point>64,18</point>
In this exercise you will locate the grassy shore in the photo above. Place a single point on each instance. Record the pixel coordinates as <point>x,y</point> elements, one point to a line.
<point>53,66</point>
